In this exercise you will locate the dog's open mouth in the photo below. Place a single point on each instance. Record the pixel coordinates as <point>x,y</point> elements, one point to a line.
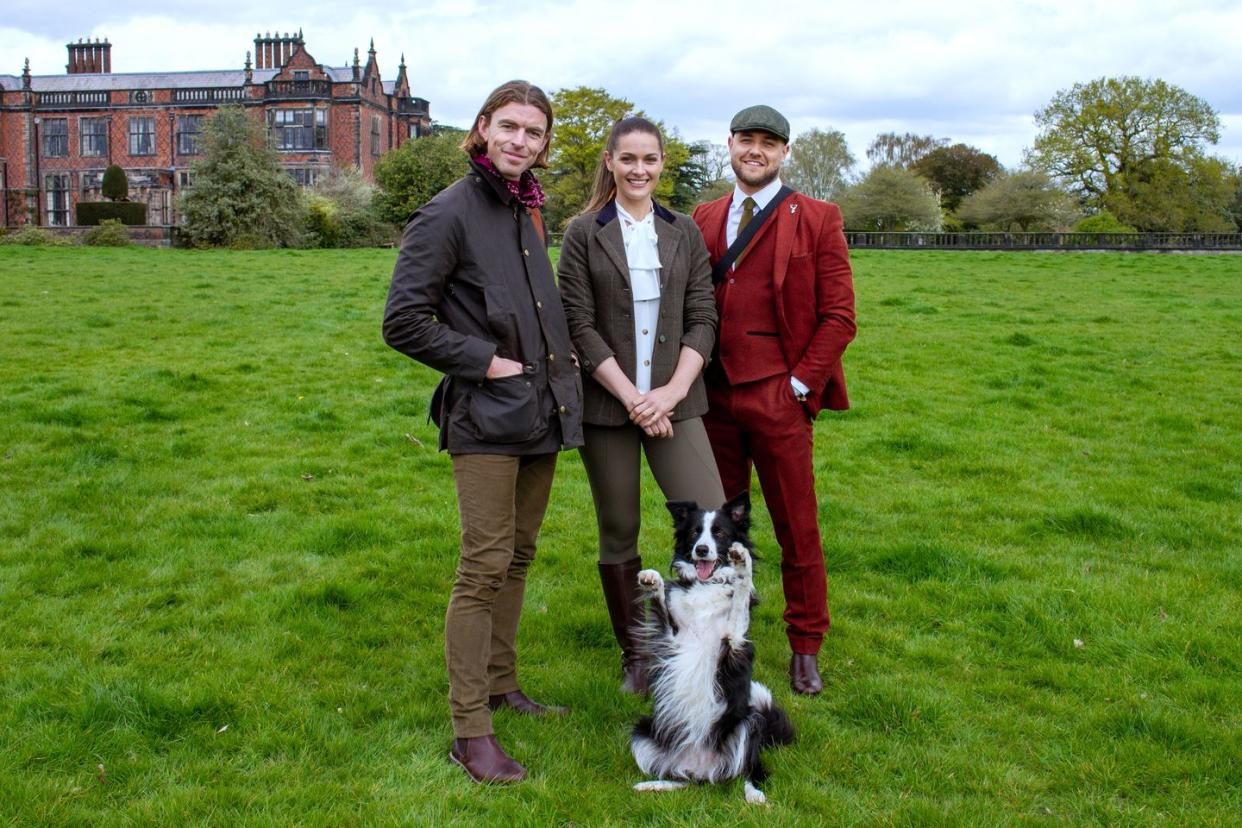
<point>704,569</point>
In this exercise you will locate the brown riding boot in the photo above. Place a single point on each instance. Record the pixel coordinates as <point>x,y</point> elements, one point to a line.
<point>484,760</point>
<point>620,582</point>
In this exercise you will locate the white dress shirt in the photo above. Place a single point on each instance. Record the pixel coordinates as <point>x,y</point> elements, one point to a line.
<point>762,199</point>
<point>642,254</point>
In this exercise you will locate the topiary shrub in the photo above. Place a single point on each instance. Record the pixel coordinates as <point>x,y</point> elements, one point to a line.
<point>90,213</point>
<point>115,186</point>
<point>109,233</point>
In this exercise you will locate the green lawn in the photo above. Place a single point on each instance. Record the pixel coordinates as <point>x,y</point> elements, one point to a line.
<point>226,544</point>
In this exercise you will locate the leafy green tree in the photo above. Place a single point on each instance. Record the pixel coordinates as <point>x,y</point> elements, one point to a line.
<point>1166,196</point>
<point>1116,141</point>
<point>1235,204</point>
<point>410,175</point>
<point>115,185</point>
<point>957,171</point>
<point>892,150</point>
<point>1025,200</point>
<point>240,196</point>
<point>685,173</point>
<point>584,115</point>
<point>1103,222</point>
<point>890,198</point>
<point>819,163</point>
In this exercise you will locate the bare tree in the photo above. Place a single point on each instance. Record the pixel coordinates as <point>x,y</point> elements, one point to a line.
<point>820,163</point>
<point>892,150</point>
<point>716,158</point>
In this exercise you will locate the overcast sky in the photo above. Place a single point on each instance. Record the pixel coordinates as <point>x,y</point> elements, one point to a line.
<point>967,71</point>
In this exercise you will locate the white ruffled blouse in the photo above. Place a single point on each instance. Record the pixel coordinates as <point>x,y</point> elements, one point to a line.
<point>642,254</point>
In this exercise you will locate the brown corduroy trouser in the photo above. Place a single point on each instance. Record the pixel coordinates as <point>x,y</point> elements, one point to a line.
<point>501,501</point>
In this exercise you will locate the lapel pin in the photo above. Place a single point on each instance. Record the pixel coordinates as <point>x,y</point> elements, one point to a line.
<point>793,208</point>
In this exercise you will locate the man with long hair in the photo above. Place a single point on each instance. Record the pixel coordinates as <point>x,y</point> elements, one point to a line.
<point>473,296</point>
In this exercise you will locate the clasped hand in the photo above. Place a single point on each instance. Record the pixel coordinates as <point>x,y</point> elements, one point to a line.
<point>651,411</point>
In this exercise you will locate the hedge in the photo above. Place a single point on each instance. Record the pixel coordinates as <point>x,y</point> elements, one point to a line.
<point>129,212</point>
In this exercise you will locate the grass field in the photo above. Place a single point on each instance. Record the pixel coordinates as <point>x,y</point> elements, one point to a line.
<point>226,544</point>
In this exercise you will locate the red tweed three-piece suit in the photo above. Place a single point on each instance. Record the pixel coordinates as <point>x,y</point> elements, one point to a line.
<point>786,309</point>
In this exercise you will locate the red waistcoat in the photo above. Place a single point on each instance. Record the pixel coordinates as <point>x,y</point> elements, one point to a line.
<point>750,345</point>
<point>811,286</point>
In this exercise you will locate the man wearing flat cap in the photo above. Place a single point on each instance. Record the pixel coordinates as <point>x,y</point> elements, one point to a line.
<point>785,294</point>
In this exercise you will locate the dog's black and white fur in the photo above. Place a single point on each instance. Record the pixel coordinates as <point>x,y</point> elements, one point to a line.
<point>710,720</point>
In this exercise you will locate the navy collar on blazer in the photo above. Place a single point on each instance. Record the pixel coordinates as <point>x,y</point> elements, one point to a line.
<point>609,212</point>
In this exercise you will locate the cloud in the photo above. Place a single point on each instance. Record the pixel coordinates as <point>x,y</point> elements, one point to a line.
<point>976,75</point>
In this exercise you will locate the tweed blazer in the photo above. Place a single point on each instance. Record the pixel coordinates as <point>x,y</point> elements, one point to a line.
<point>594,278</point>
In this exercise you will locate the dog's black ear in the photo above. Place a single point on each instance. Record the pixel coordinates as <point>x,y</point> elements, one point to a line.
<point>680,510</point>
<point>738,510</point>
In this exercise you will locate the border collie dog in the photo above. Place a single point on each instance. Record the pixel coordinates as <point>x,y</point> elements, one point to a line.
<point>709,719</point>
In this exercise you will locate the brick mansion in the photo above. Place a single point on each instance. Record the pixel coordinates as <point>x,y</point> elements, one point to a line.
<point>58,133</point>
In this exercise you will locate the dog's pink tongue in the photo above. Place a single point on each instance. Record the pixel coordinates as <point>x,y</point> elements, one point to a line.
<point>704,568</point>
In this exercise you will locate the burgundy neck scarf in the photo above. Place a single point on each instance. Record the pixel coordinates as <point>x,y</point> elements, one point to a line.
<point>526,189</point>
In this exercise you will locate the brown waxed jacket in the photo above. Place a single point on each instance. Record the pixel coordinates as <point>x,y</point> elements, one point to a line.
<point>473,280</point>
<point>594,279</point>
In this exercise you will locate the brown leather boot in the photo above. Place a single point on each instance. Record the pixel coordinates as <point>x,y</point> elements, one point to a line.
<point>804,674</point>
<point>620,582</point>
<point>519,702</point>
<point>484,760</point>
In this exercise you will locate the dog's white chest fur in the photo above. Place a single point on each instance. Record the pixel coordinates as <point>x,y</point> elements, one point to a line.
<point>702,611</point>
<point>688,684</point>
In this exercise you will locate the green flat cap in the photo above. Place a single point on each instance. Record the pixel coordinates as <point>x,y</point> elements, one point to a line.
<point>763,118</point>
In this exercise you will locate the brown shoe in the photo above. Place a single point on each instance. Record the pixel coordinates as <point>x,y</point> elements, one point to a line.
<point>484,760</point>
<point>620,583</point>
<point>518,701</point>
<point>804,674</point>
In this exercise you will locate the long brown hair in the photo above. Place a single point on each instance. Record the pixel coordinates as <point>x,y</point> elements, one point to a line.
<point>515,91</point>
<point>605,187</point>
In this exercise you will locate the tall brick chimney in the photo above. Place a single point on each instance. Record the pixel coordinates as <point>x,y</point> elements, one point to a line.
<point>272,51</point>
<point>87,57</point>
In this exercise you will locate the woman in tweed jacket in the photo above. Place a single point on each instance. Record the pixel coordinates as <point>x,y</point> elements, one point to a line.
<point>636,285</point>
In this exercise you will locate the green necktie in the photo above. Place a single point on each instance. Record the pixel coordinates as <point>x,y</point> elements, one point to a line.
<point>748,212</point>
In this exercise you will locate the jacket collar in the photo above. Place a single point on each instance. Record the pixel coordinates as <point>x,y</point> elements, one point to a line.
<point>609,212</point>
<point>497,186</point>
<point>613,243</point>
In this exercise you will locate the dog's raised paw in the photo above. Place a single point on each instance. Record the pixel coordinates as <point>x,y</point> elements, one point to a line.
<point>650,580</point>
<point>740,558</point>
